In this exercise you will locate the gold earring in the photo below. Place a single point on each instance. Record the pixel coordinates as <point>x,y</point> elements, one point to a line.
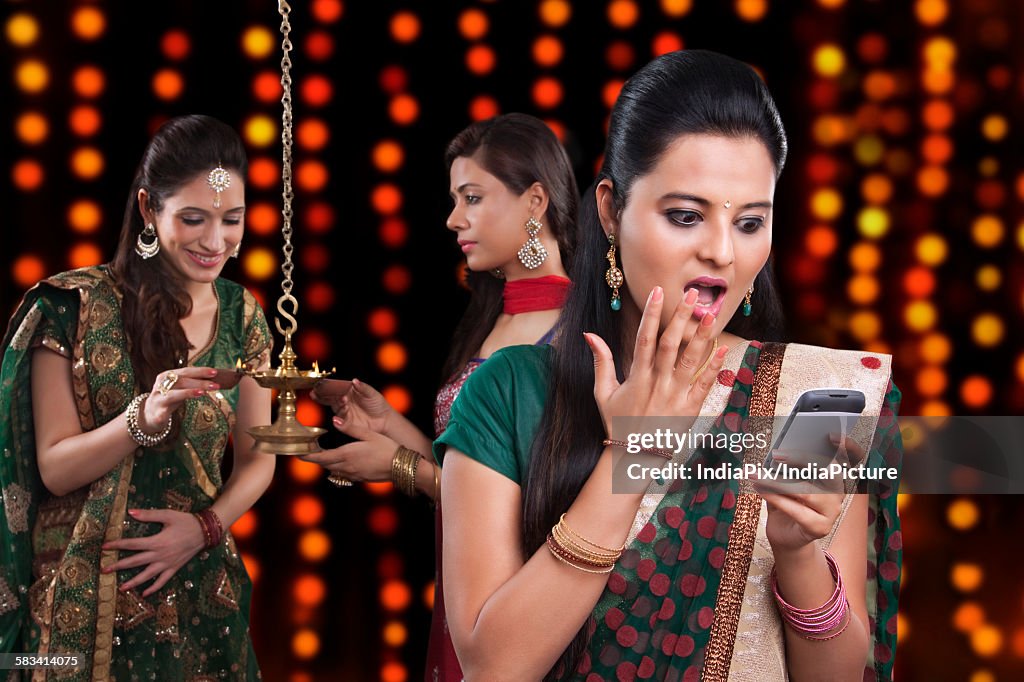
<point>613,276</point>
<point>533,253</point>
<point>238,250</point>
<point>747,307</point>
<point>147,251</point>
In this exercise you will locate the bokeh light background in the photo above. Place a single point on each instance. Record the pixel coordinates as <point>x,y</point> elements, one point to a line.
<point>898,229</point>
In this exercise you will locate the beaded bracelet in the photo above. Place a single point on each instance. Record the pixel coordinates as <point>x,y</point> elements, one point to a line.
<point>146,440</point>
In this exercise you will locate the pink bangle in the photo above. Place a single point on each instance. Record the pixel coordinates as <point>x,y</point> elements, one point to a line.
<point>213,530</point>
<point>818,621</point>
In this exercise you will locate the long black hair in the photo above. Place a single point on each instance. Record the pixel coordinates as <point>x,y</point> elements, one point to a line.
<point>154,296</point>
<point>519,150</point>
<point>681,93</point>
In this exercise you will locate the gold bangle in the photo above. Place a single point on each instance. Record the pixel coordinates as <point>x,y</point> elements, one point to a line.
<point>403,469</point>
<point>562,522</point>
<point>579,568</point>
<point>576,551</point>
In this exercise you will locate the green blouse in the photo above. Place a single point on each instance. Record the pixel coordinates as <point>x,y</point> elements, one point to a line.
<point>498,412</point>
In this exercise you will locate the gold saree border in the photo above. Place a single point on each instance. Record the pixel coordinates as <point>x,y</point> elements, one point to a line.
<point>202,478</point>
<point>729,602</point>
<point>106,602</point>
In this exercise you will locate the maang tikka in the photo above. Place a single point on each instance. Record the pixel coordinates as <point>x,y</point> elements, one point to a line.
<point>613,276</point>
<point>147,251</point>
<point>533,253</point>
<point>218,180</point>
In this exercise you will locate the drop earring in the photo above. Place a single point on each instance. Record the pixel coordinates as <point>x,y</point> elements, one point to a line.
<point>747,307</point>
<point>613,276</point>
<point>238,250</point>
<point>147,251</point>
<point>533,253</point>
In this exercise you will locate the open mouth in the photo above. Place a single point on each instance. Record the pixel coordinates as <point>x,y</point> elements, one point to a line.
<point>204,260</point>
<point>710,295</point>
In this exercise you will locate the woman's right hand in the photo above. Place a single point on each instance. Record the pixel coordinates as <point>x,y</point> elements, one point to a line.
<point>662,379</point>
<point>192,382</point>
<point>361,406</point>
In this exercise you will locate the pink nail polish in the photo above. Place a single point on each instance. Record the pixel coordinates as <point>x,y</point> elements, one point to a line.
<point>691,296</point>
<point>657,294</point>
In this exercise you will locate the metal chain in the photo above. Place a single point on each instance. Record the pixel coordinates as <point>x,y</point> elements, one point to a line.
<point>283,8</point>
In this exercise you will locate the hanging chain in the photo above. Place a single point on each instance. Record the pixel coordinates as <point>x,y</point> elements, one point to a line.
<point>283,8</point>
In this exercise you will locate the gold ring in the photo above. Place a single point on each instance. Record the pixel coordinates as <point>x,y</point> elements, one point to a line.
<point>339,481</point>
<point>168,383</point>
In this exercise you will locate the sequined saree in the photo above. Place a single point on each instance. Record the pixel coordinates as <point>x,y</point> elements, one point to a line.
<point>53,598</point>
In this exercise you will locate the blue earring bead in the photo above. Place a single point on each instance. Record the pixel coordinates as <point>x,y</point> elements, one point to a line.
<point>616,303</point>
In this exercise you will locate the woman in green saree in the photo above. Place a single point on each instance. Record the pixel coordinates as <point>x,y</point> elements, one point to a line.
<point>115,514</point>
<point>549,572</point>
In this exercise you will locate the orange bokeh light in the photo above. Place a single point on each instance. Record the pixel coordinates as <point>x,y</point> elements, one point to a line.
<point>483,107</point>
<point>314,545</point>
<point>473,24</point>
<point>304,472</point>
<point>305,644</point>
<point>316,91</point>
<point>388,156</point>
<point>751,10</point>
<point>393,79</point>
<point>84,120</point>
<point>87,163</point>
<point>395,595</point>
<point>932,180</point>
<point>937,114</point>
<point>404,109</point>
<point>382,520</point>
<point>480,59</point>
<point>319,217</point>
<point>547,50</point>
<point>309,590</point>
<point>610,92</point>
<point>84,255</point>
<point>88,81</point>
<point>308,412</point>
<point>547,92</point>
<point>168,84</point>
<point>393,232</point>
<point>393,671</point>
<point>245,526</point>
<point>88,22</point>
<point>392,356</point>
<point>396,279</point>
<point>307,510</point>
<point>319,45</point>
<point>405,27</point>
<point>266,86</point>
<point>263,173</point>
<point>398,397</point>
<point>623,14</point>
<point>919,282</point>
<point>314,343</point>
<point>666,42</point>
<point>252,566</point>
<point>327,11</point>
<point>937,149</point>
<point>84,216</point>
<point>313,134</point>
<point>262,218</point>
<point>976,391</point>
<point>27,175</point>
<point>386,199</point>
<point>555,13</point>
<point>821,241</point>
<point>32,127</point>
<point>311,175</point>
<point>27,270</point>
<point>320,297</point>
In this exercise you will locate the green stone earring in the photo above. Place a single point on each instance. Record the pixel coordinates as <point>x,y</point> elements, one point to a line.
<point>613,276</point>
<point>747,308</point>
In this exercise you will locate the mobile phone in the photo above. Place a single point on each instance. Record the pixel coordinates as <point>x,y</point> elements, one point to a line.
<point>804,437</point>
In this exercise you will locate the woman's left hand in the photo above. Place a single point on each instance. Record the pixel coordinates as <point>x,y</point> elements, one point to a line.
<point>162,553</point>
<point>796,519</point>
<point>367,459</point>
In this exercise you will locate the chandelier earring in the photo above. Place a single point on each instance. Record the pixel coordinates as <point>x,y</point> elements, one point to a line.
<point>147,250</point>
<point>533,253</point>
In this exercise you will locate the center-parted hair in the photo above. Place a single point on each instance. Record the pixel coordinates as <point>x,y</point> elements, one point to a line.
<point>519,150</point>
<point>691,92</point>
<point>154,297</point>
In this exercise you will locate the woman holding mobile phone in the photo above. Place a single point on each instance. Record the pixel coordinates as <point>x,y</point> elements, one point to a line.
<point>553,573</point>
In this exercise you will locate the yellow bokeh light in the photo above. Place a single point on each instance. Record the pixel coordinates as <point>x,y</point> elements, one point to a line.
<point>939,52</point>
<point>826,204</point>
<point>982,676</point>
<point>995,127</point>
<point>873,222</point>
<point>676,8</point>
<point>931,249</point>
<point>314,545</point>
<point>32,76</point>
<point>988,277</point>
<point>869,150</point>
<point>555,13</point>
<point>863,289</point>
<point>259,262</point>
<point>305,644</point>
<point>865,257</point>
<point>987,640</point>
<point>987,230</point>
<point>920,316</point>
<point>258,42</point>
<point>987,330</point>
<point>931,12</point>
<point>962,514</point>
<point>865,325</point>
<point>966,577</point>
<point>260,130</point>
<point>935,348</point>
<point>22,29</point>
<point>828,60</point>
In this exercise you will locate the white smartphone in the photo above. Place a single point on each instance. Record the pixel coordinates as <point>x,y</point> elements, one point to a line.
<point>804,437</point>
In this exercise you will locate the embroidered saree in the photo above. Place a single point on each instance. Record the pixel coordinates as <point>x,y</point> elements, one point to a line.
<point>689,599</point>
<point>53,598</point>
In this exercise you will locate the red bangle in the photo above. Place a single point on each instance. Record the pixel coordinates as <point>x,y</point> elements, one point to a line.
<point>213,529</point>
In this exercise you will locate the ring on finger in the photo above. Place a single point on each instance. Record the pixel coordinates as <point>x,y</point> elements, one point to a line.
<point>168,383</point>
<point>704,366</point>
